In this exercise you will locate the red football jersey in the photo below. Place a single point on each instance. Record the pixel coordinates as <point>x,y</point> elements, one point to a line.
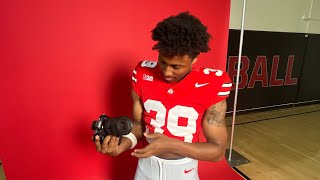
<point>176,109</point>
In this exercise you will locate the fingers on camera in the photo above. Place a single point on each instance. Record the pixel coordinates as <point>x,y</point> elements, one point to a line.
<point>106,140</point>
<point>97,142</point>
<point>108,143</point>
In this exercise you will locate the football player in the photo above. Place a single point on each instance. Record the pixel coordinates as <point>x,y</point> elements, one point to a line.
<point>172,102</point>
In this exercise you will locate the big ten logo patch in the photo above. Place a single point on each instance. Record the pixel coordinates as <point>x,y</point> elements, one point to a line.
<point>147,77</point>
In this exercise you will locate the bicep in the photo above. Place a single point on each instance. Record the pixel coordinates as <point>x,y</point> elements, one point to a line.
<point>213,124</point>
<point>137,108</point>
<point>137,113</point>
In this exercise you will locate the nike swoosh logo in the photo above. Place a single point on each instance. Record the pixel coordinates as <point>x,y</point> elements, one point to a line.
<point>187,171</point>
<point>200,85</point>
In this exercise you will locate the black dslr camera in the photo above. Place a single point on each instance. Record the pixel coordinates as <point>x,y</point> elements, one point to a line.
<point>106,125</point>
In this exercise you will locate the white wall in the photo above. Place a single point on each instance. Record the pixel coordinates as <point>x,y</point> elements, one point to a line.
<point>277,15</point>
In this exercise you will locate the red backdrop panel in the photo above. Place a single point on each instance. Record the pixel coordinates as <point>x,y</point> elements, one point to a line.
<point>63,63</point>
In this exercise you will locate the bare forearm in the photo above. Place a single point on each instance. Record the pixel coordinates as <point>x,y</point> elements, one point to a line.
<point>137,128</point>
<point>202,150</point>
<point>215,132</point>
<point>111,145</point>
<point>126,142</point>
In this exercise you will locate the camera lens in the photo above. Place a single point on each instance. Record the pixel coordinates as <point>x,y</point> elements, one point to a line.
<point>118,126</point>
<point>124,125</point>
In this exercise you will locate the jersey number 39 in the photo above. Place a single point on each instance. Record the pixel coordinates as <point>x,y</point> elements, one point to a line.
<point>172,119</point>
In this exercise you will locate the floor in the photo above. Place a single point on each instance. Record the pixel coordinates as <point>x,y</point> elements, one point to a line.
<point>281,144</point>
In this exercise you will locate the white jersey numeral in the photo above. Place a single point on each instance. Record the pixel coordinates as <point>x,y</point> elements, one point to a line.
<point>173,116</point>
<point>149,64</point>
<point>161,114</point>
<point>217,71</point>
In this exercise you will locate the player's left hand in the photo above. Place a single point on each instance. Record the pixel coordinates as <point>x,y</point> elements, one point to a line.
<point>160,144</point>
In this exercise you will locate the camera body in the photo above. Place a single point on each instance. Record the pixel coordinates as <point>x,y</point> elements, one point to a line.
<point>106,125</point>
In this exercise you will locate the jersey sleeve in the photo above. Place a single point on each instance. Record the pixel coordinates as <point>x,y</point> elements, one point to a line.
<point>136,81</point>
<point>139,75</point>
<point>221,90</point>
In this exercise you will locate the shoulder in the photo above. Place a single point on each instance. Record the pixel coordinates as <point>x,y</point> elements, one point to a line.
<point>145,70</point>
<point>218,81</point>
<point>146,65</point>
<point>214,75</point>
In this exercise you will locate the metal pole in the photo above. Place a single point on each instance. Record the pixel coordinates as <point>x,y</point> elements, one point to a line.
<point>238,74</point>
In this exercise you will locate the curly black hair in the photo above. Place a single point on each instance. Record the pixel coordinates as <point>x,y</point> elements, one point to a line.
<point>179,35</point>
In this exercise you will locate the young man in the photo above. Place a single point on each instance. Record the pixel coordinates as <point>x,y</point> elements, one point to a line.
<point>172,101</point>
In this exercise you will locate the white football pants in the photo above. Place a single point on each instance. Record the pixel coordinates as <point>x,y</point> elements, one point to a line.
<point>155,168</point>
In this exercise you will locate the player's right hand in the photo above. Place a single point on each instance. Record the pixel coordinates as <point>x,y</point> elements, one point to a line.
<point>109,146</point>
